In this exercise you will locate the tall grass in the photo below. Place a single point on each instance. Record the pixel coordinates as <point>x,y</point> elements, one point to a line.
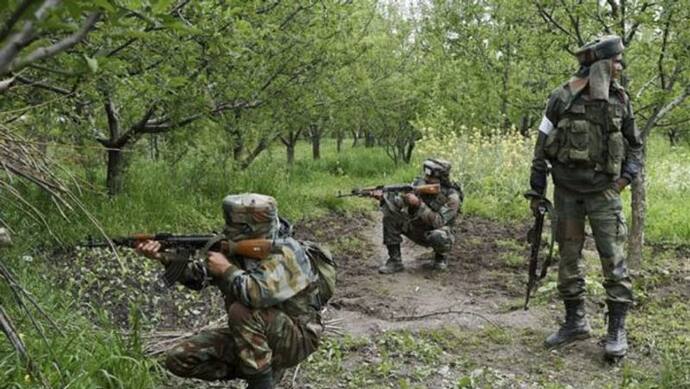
<point>494,168</point>
<point>668,188</point>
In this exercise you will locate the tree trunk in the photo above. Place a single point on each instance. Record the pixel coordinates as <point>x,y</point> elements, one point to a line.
<point>355,137</point>
<point>154,150</point>
<point>315,143</point>
<point>115,170</point>
<point>639,210</point>
<point>525,123</point>
<point>369,139</point>
<point>238,145</point>
<point>338,141</point>
<point>290,153</point>
<point>504,88</point>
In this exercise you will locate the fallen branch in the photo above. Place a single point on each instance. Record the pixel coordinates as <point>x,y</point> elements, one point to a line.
<point>447,312</point>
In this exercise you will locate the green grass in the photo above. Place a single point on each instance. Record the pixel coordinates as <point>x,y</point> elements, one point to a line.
<point>185,197</point>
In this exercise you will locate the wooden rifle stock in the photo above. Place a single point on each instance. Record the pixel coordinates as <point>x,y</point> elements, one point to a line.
<point>250,248</point>
<point>428,189</point>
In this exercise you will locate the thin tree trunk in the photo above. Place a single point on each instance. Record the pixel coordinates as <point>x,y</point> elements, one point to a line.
<point>114,172</point>
<point>315,135</point>
<point>355,137</point>
<point>290,148</point>
<point>639,210</point>
<point>338,141</point>
<point>369,139</point>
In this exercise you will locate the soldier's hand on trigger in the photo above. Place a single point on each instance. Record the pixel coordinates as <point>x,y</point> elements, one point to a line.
<point>150,249</point>
<point>412,200</point>
<point>217,263</point>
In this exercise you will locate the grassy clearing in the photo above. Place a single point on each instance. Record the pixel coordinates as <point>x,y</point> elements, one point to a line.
<point>185,198</point>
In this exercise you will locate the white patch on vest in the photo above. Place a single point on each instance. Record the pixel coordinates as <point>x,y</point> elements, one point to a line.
<point>546,126</point>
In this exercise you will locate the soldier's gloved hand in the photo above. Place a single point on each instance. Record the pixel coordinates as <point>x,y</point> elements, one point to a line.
<point>150,249</point>
<point>412,200</point>
<point>620,184</point>
<point>217,263</point>
<point>534,205</point>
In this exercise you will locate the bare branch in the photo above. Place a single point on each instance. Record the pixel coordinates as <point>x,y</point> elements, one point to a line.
<point>548,18</point>
<point>575,22</point>
<point>627,38</point>
<point>17,41</point>
<point>14,18</point>
<point>645,86</point>
<point>41,85</point>
<point>664,47</point>
<point>674,103</point>
<point>661,111</point>
<point>614,7</point>
<point>45,52</point>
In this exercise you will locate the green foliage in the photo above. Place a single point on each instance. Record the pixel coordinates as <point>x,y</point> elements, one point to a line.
<point>82,356</point>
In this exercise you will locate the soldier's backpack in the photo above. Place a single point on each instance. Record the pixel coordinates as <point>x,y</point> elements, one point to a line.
<point>322,261</point>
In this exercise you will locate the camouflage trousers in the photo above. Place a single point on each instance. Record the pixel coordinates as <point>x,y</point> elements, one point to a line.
<point>399,223</point>
<point>604,211</point>
<point>255,340</point>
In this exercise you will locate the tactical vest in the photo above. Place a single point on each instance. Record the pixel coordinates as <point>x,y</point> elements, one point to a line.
<point>588,135</point>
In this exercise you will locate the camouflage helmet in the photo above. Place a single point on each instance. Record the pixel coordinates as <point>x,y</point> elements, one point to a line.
<point>250,215</point>
<point>603,48</point>
<point>434,167</point>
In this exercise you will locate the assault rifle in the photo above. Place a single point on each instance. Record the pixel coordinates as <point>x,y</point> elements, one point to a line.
<point>251,248</point>
<point>395,188</point>
<point>534,238</point>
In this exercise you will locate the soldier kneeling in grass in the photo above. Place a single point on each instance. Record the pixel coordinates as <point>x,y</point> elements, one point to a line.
<point>273,304</point>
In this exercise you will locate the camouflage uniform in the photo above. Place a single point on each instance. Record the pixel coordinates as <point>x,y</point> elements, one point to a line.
<point>273,308</point>
<point>589,138</point>
<point>429,225</point>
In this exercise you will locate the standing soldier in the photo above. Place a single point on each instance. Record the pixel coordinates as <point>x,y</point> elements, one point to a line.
<point>588,136</point>
<point>426,219</point>
<point>273,305</point>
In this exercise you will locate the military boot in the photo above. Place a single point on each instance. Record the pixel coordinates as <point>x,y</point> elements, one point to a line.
<point>616,339</point>
<point>575,327</point>
<point>439,263</point>
<point>260,381</point>
<point>394,262</point>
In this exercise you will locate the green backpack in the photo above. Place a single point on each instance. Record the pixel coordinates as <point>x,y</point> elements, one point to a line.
<point>322,261</point>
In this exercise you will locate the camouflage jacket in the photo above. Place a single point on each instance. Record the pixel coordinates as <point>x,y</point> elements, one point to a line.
<point>438,210</point>
<point>285,280</point>
<point>564,107</point>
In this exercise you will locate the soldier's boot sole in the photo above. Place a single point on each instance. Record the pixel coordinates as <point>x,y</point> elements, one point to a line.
<point>552,343</point>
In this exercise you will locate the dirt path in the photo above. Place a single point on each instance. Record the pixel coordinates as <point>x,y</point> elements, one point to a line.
<point>370,302</point>
<point>493,338</point>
